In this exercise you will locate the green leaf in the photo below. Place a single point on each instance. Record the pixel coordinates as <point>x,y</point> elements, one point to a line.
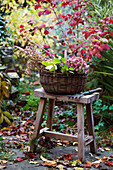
<point>72,69</point>
<point>56,61</point>
<point>63,60</point>
<point>1,118</point>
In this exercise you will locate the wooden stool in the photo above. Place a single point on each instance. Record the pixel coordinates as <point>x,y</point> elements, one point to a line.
<point>80,138</point>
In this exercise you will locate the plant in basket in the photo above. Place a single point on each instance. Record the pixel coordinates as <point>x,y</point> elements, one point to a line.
<point>69,43</point>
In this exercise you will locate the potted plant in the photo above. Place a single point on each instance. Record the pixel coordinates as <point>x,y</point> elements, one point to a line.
<point>69,44</point>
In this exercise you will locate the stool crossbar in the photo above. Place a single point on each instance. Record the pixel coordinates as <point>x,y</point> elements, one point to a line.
<point>80,137</point>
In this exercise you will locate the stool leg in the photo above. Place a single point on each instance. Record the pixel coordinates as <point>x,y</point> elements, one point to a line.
<point>80,125</point>
<point>38,122</point>
<point>90,122</point>
<point>50,113</point>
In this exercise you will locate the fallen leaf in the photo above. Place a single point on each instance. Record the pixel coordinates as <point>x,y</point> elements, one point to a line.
<point>30,155</point>
<point>97,157</point>
<point>3,167</point>
<point>98,165</point>
<point>78,161</point>
<point>73,163</point>
<point>97,162</point>
<point>68,156</point>
<point>19,159</point>
<point>101,149</point>
<point>48,161</point>
<point>75,143</point>
<point>49,164</point>
<point>59,144</point>
<point>77,168</point>
<point>3,161</point>
<point>5,129</point>
<point>60,166</point>
<point>107,149</point>
<point>33,162</point>
<point>108,163</point>
<point>89,163</point>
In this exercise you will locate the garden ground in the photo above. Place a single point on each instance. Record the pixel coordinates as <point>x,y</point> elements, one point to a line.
<point>65,154</point>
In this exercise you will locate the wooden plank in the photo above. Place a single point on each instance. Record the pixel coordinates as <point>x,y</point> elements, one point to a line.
<point>80,126</point>
<point>50,113</point>
<point>88,140</point>
<point>85,99</point>
<point>38,122</point>
<point>61,136</point>
<point>42,131</point>
<point>90,123</point>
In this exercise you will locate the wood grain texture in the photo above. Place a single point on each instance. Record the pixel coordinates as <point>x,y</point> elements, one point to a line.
<point>80,126</point>
<point>38,122</point>
<point>50,113</point>
<point>85,99</point>
<point>61,136</point>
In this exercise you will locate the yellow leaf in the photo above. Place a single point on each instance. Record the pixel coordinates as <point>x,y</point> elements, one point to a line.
<point>97,157</point>
<point>7,114</point>
<point>77,168</point>
<point>73,163</point>
<point>61,167</point>
<point>7,120</point>
<point>8,129</point>
<point>1,118</point>
<point>78,161</point>
<point>46,160</point>
<point>75,143</point>
<point>33,162</point>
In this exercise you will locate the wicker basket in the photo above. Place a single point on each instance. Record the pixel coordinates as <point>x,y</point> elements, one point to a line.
<point>61,83</point>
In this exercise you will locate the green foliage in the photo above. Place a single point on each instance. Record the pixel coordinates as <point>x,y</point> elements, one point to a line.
<point>101,8</point>
<point>103,114</point>
<point>5,88</point>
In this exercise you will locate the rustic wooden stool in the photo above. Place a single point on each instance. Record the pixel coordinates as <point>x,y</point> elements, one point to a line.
<point>80,138</point>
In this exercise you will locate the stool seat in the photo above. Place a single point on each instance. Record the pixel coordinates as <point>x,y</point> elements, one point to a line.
<point>82,139</point>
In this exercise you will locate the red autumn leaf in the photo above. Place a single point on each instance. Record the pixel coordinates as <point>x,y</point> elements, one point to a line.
<point>68,156</point>
<point>37,6</point>
<point>46,12</point>
<point>72,23</point>
<point>40,13</point>
<point>27,93</point>
<point>109,163</point>
<point>21,26</point>
<point>42,25</point>
<point>46,32</point>
<point>87,165</point>
<point>22,29</point>
<point>19,159</point>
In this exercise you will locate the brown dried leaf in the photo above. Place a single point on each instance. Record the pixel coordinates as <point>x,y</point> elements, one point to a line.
<point>49,164</point>
<point>68,156</point>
